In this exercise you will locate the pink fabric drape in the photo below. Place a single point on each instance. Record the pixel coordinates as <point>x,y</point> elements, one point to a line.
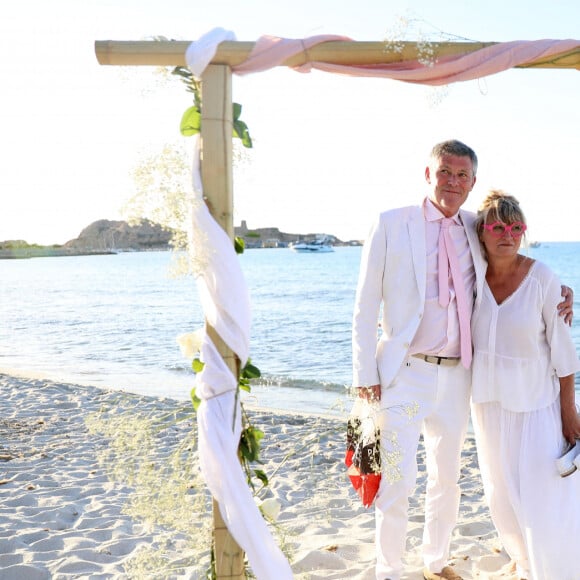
<point>272,51</point>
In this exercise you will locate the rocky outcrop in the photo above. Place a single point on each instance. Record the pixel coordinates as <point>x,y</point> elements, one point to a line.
<point>100,237</point>
<point>120,236</point>
<point>111,236</point>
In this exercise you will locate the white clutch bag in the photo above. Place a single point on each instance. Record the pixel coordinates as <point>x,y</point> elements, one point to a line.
<point>569,462</point>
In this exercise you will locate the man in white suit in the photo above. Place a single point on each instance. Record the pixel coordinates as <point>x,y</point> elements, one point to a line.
<point>414,363</point>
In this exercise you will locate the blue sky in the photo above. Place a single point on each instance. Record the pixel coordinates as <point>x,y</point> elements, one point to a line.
<point>330,151</point>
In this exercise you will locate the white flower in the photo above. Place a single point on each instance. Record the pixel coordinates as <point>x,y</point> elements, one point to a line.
<point>190,343</point>
<point>270,509</point>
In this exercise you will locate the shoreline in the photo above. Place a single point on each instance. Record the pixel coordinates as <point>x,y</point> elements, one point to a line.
<point>101,483</point>
<point>47,252</point>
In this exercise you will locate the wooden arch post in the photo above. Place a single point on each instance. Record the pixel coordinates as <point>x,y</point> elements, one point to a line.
<point>216,175</point>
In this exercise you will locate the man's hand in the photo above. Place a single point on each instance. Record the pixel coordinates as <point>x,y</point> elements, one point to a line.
<point>566,307</point>
<point>371,394</point>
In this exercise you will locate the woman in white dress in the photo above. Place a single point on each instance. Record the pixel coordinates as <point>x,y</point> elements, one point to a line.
<point>523,403</point>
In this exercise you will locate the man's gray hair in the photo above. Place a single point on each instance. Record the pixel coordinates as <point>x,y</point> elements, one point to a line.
<point>457,148</point>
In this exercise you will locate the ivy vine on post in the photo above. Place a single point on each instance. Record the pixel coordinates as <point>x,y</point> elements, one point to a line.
<point>191,122</point>
<point>251,437</point>
<point>191,118</point>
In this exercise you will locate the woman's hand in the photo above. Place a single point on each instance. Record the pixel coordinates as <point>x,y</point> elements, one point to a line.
<point>570,425</point>
<point>570,417</point>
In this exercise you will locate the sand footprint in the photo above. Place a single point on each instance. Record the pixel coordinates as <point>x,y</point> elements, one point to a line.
<point>475,529</point>
<point>495,567</point>
<point>24,572</point>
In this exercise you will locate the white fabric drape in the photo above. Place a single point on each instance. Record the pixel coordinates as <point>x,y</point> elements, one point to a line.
<point>199,53</point>
<point>226,305</point>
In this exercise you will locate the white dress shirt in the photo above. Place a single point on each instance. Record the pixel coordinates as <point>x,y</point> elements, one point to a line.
<point>438,332</point>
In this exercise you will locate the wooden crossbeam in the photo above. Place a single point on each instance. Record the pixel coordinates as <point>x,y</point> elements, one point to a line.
<point>232,53</point>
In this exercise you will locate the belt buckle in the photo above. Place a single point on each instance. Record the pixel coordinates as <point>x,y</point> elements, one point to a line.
<point>437,360</point>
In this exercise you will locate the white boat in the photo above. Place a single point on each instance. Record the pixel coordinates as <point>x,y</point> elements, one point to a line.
<point>314,246</point>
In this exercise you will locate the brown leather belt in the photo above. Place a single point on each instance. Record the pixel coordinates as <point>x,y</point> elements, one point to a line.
<point>446,361</point>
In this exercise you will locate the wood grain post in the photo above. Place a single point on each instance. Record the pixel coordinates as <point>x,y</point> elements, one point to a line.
<point>216,174</point>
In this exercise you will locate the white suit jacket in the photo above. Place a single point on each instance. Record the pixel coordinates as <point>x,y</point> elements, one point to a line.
<point>393,275</point>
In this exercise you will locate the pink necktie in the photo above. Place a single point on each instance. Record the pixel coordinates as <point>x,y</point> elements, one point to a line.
<point>449,262</point>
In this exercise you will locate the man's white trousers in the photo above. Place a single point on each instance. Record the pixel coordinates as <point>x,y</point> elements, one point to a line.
<point>432,399</point>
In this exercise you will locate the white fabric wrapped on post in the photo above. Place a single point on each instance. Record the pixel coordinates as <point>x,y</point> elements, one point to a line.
<point>226,305</point>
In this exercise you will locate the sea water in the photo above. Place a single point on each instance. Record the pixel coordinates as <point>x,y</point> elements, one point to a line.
<point>112,321</point>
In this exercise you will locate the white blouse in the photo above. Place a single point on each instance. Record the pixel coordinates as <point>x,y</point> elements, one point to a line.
<point>522,346</point>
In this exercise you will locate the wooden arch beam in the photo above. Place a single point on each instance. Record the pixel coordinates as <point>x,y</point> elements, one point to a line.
<point>232,53</point>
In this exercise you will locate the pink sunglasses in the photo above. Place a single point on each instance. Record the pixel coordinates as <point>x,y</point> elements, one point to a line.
<point>498,229</point>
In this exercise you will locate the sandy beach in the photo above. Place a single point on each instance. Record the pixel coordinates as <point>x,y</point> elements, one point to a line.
<point>104,484</point>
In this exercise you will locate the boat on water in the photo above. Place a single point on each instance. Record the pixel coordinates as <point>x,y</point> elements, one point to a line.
<point>313,246</point>
<point>534,244</point>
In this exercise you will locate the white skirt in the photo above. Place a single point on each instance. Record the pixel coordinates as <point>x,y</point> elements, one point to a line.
<point>536,512</point>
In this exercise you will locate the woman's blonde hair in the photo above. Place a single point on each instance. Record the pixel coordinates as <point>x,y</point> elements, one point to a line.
<point>501,207</point>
